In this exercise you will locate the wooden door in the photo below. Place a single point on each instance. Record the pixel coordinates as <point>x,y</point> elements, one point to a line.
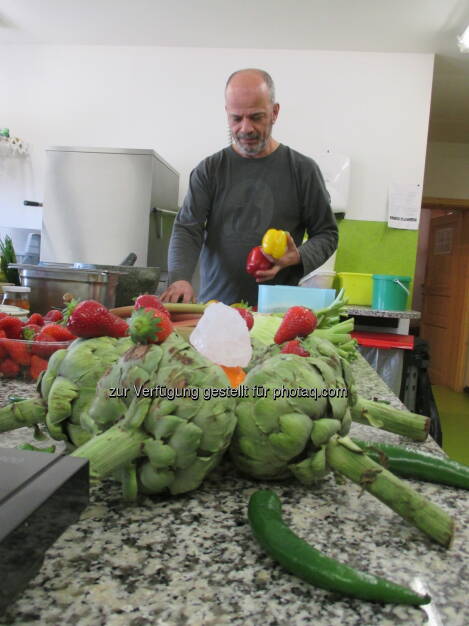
<point>445,316</point>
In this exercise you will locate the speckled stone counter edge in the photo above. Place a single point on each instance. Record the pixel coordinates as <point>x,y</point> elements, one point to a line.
<point>369,312</point>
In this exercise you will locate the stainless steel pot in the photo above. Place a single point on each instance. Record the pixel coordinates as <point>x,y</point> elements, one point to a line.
<point>113,285</point>
<point>49,283</point>
<point>132,280</point>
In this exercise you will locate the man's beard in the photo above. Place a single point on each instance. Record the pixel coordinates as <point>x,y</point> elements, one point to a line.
<point>250,149</point>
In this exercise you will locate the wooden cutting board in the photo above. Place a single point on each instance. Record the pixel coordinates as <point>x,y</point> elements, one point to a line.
<point>178,319</point>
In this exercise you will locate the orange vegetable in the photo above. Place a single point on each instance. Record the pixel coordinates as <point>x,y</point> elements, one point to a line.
<point>236,375</point>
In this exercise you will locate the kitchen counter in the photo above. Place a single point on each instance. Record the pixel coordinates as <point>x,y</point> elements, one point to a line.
<point>376,320</point>
<point>370,319</point>
<point>192,560</point>
<point>367,311</point>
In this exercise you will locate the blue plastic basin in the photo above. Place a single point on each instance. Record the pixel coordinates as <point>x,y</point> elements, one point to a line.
<point>279,298</point>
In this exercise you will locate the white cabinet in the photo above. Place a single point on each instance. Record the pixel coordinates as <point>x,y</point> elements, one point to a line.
<point>98,205</point>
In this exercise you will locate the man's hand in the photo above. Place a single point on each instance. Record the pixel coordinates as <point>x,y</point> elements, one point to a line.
<point>179,291</point>
<point>291,257</point>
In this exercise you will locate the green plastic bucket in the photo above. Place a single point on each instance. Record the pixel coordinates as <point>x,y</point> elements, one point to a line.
<point>390,292</point>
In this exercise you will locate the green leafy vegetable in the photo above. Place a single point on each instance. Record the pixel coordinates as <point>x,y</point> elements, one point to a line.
<point>7,255</point>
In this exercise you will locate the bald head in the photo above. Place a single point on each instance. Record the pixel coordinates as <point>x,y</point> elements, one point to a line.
<point>252,78</point>
<point>251,109</point>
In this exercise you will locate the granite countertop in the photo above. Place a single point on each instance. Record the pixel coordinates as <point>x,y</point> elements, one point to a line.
<point>192,560</point>
<point>367,311</point>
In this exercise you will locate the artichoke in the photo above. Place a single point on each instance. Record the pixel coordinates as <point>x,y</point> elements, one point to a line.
<point>66,389</point>
<point>363,411</point>
<point>164,431</point>
<point>299,427</point>
<point>305,401</point>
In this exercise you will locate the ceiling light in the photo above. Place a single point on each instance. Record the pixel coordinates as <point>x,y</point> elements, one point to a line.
<point>463,41</point>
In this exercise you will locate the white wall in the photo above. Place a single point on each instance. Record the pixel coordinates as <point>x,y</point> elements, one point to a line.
<point>372,106</point>
<point>447,170</point>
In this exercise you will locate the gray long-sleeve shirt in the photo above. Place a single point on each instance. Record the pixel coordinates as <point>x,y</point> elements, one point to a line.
<point>231,202</point>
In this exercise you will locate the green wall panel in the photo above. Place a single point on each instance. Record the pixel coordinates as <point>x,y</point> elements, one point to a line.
<point>372,247</point>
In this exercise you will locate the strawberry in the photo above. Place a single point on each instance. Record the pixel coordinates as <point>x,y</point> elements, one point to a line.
<point>46,340</point>
<point>247,316</point>
<point>54,315</point>
<point>120,327</point>
<point>294,347</point>
<point>298,321</point>
<point>36,318</point>
<point>2,315</point>
<point>38,365</point>
<point>18,351</point>
<point>149,326</point>
<point>44,347</point>
<point>54,332</point>
<point>147,300</point>
<point>3,351</point>
<point>12,327</point>
<point>29,331</point>
<point>90,319</point>
<point>9,368</point>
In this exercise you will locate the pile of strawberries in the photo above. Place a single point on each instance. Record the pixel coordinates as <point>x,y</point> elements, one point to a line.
<point>149,323</point>
<point>25,347</point>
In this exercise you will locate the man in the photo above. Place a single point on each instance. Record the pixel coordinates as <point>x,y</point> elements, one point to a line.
<point>238,193</point>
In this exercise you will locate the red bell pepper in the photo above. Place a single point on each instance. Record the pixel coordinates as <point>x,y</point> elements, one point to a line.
<point>257,261</point>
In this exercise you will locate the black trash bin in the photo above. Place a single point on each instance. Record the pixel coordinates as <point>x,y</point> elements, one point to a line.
<point>416,390</point>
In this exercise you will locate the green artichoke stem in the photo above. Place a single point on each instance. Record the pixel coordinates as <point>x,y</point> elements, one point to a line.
<point>129,482</point>
<point>25,413</point>
<point>388,418</point>
<point>345,326</point>
<point>347,458</point>
<point>183,307</point>
<point>112,449</point>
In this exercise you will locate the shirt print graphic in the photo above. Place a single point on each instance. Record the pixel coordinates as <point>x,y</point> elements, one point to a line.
<point>247,209</point>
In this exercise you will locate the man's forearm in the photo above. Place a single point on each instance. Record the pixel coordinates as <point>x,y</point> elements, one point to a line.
<point>318,249</point>
<point>183,252</point>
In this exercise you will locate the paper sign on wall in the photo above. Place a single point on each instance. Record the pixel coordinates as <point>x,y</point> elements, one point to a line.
<point>404,201</point>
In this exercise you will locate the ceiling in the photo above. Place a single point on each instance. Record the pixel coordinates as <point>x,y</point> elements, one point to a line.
<point>428,26</point>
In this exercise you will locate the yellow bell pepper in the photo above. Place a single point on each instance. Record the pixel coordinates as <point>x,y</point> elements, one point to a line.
<point>274,242</point>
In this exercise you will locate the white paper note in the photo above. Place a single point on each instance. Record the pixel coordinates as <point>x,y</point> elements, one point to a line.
<point>404,202</point>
